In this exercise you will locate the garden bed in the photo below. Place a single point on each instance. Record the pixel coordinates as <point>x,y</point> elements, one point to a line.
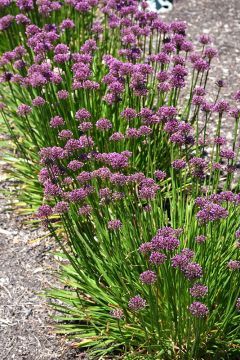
<point>26,263</point>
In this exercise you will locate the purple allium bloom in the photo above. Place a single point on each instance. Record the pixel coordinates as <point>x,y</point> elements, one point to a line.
<point>220,140</point>
<point>145,247</point>
<point>147,208</point>
<point>85,126</point>
<point>132,133</point>
<point>67,24</point>
<point>204,39</point>
<point>220,83</point>
<point>105,193</point>
<point>198,309</point>
<point>164,87</point>
<point>84,176</point>
<point>119,179</point>
<point>61,207</point>
<point>6,21</point>
<point>166,243</point>
<point>184,127</point>
<point>114,224</point>
<point>199,91</point>
<point>61,49</point>
<point>163,58</point>
<point>90,85</point>
<point>157,258</point>
<point>117,136</point>
<point>178,26</point>
<point>200,239</point>
<point>238,304</point>
<point>162,76</point>
<point>171,126</point>
<point>227,154</point>
<point>51,189</point>
<point>187,46</point>
<point>103,124</point>
<point>192,271</point>
<point>179,261</point>
<point>52,153</point>
<point>188,253</point>
<point>178,60</point>
<point>217,166</point>
<point>148,277</point>
<point>197,100</point>
<point>226,196</point>
<point>56,121</point>
<point>117,314</point>
<point>179,164</point>
<point>103,173</point>
<point>80,194</point>
<point>24,110</point>
<point>177,138</point>
<point>65,134</point>
<point>82,114</point>
<point>237,234</point>
<point>24,5</point>
<point>4,3</point>
<point>160,175</point>
<point>234,264</point>
<point>211,212</point>
<point>63,94</point>
<point>44,211</point>
<point>206,107</point>
<point>183,259</point>
<point>179,71</point>
<point>116,160</point>
<point>221,106</point>
<point>85,141</point>
<point>19,64</point>
<point>22,19</point>
<point>237,96</point>
<point>38,101</point>
<point>234,112</point>
<point>168,47</point>
<point>75,165</point>
<point>201,201</point>
<point>148,192</point>
<point>169,231</point>
<point>137,303</point>
<point>116,87</point>
<point>201,65</point>
<point>210,53</point>
<point>85,210</point>
<point>198,290</point>
<point>97,27</point>
<point>145,114</point>
<point>144,130</point>
<point>230,169</point>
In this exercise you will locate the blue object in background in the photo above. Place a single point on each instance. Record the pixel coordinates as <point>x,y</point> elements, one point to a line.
<point>160,5</point>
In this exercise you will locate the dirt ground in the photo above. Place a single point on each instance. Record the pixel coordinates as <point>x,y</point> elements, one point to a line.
<point>25,271</point>
<point>26,263</point>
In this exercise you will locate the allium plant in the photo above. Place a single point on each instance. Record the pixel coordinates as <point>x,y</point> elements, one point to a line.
<point>114,104</point>
<point>118,70</point>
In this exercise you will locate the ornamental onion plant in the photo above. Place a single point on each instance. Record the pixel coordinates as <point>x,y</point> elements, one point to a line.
<point>120,57</point>
<point>140,187</point>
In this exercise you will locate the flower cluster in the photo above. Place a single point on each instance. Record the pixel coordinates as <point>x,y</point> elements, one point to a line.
<point>117,102</point>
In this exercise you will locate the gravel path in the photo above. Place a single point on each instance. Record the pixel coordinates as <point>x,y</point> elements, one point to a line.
<point>221,20</point>
<point>25,266</point>
<point>25,263</point>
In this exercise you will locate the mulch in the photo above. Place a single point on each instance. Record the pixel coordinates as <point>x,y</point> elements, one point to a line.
<point>26,261</point>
